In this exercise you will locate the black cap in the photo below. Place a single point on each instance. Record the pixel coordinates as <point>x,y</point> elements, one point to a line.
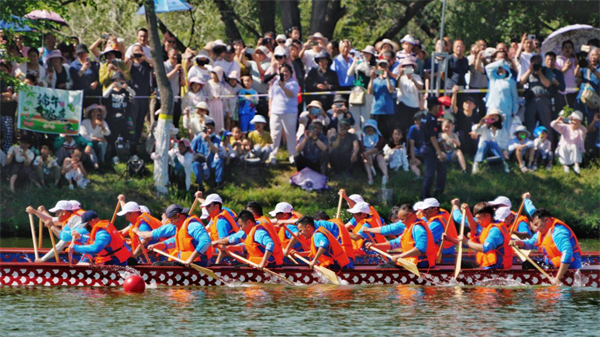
<point>175,209</point>
<point>81,48</point>
<point>117,76</point>
<point>469,98</point>
<point>89,216</point>
<point>339,99</point>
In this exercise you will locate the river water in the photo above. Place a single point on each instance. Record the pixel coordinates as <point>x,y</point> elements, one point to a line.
<point>258,310</point>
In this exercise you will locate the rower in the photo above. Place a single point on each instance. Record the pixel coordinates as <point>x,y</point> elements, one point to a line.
<point>554,238</point>
<point>65,221</point>
<point>260,241</point>
<point>256,209</point>
<point>396,228</point>
<point>360,213</point>
<point>286,218</point>
<point>343,237</point>
<point>191,242</point>
<point>140,222</point>
<point>438,221</point>
<point>325,249</point>
<point>521,228</point>
<point>417,241</point>
<point>222,221</point>
<point>492,245</point>
<point>353,200</point>
<point>104,243</point>
<point>165,231</point>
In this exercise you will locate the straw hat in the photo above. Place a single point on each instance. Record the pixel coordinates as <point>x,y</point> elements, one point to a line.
<point>394,45</point>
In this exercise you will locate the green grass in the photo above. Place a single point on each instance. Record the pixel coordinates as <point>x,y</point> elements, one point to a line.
<point>569,197</point>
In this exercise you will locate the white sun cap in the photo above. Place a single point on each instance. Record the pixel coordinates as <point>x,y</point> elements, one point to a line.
<point>430,202</point>
<point>360,207</point>
<point>145,209</point>
<point>62,205</point>
<point>212,198</point>
<point>356,198</point>
<point>130,207</point>
<point>75,205</point>
<point>502,213</point>
<point>500,201</point>
<point>418,206</point>
<point>204,214</point>
<point>282,207</point>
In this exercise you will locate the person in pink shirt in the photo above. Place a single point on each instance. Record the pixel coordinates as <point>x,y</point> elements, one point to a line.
<point>571,145</point>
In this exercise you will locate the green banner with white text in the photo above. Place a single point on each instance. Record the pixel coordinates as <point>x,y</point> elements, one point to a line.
<point>50,110</point>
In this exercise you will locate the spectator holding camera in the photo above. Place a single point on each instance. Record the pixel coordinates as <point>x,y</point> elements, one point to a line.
<point>345,148</point>
<point>382,88</point>
<point>572,136</point>
<point>140,69</point>
<point>338,111</point>
<point>199,69</point>
<point>409,84</point>
<point>566,63</point>
<point>493,139</point>
<point>112,64</point>
<point>57,73</point>
<point>206,160</point>
<point>322,78</point>
<point>283,110</point>
<point>312,149</point>
<point>314,111</point>
<point>538,107</point>
<point>502,89</point>
<point>589,72</point>
<point>119,96</point>
<point>524,54</point>
<point>94,129</point>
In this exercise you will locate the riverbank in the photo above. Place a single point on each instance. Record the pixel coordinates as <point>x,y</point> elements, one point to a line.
<point>574,199</point>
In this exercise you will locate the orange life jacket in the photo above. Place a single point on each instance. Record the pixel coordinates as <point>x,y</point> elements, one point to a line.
<point>252,247</point>
<point>68,218</point>
<point>515,226</point>
<point>491,258</point>
<point>548,247</point>
<point>374,214</point>
<point>282,234</point>
<point>183,241</point>
<point>407,242</point>
<point>374,222</point>
<point>443,219</point>
<point>214,233</point>
<point>344,238</point>
<point>116,248</point>
<point>153,222</point>
<point>335,250</point>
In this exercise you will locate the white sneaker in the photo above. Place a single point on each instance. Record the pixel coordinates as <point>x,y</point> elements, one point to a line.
<point>292,160</point>
<point>506,168</point>
<point>576,169</point>
<point>566,168</point>
<point>475,168</point>
<point>384,181</point>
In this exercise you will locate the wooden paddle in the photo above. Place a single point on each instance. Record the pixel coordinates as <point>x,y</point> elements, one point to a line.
<point>248,262</point>
<point>114,217</point>
<point>35,248</point>
<point>460,247</point>
<point>520,253</point>
<point>203,270</point>
<point>438,260</point>
<point>53,245</point>
<point>516,218</point>
<point>411,267</point>
<point>193,206</point>
<point>374,242</point>
<point>143,248</point>
<point>41,227</point>
<point>339,210</point>
<point>328,273</point>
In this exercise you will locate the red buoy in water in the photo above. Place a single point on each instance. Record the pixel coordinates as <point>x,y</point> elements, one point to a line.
<point>134,284</point>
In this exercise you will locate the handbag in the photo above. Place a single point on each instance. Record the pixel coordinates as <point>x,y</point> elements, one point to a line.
<point>589,96</point>
<point>357,96</point>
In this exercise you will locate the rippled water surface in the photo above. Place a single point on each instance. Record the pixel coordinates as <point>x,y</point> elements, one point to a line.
<point>256,310</point>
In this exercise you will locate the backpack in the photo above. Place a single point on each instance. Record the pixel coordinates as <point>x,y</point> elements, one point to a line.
<point>136,168</point>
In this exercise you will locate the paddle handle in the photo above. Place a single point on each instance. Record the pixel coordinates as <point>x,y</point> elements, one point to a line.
<point>239,258</point>
<point>377,250</point>
<point>460,247</point>
<point>302,259</point>
<point>114,217</point>
<point>411,267</point>
<point>512,228</point>
<point>193,206</point>
<point>40,228</point>
<point>53,245</point>
<point>518,251</point>
<point>339,210</point>
<point>169,256</point>
<point>297,238</point>
<point>35,248</point>
<point>373,241</point>
<point>438,259</point>
<point>143,248</point>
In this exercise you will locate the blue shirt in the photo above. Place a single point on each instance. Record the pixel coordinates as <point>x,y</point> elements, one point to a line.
<point>294,229</point>
<point>340,66</point>
<point>200,238</point>
<point>246,106</point>
<point>588,77</point>
<point>419,235</point>
<point>457,216</point>
<point>261,236</point>
<point>164,232</point>
<point>396,228</point>
<point>417,136</point>
<point>145,227</point>
<point>200,146</point>
<point>437,229</point>
<point>564,243</point>
<point>329,226</point>
<point>383,100</point>
<point>101,240</point>
<point>430,128</point>
<point>65,234</point>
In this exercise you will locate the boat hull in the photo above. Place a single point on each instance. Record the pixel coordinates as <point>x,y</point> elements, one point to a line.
<point>51,274</point>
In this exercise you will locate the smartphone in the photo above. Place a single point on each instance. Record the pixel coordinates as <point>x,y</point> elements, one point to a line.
<point>281,78</point>
<point>339,105</point>
<point>378,72</point>
<point>105,36</point>
<point>531,37</point>
<point>179,59</point>
<point>567,120</point>
<point>585,49</point>
<point>409,70</point>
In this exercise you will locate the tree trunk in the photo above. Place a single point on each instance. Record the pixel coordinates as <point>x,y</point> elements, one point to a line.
<point>266,15</point>
<point>290,15</point>
<point>411,10</point>
<point>228,18</point>
<point>325,15</point>
<point>163,127</point>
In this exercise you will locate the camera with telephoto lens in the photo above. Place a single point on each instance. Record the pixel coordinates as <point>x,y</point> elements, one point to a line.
<point>138,56</point>
<point>201,62</point>
<point>537,67</point>
<point>582,59</point>
<point>115,62</point>
<point>178,58</point>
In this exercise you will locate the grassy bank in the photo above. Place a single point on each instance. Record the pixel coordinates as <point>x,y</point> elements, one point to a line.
<point>571,198</point>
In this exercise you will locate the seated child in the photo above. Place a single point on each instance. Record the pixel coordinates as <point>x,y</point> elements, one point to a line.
<point>492,139</point>
<point>74,171</point>
<point>572,136</point>
<point>261,141</point>
<point>394,152</point>
<point>46,167</point>
<point>450,144</point>
<point>521,147</point>
<point>543,148</point>
<point>373,143</point>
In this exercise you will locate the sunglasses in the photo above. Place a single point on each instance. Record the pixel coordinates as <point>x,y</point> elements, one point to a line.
<point>279,57</point>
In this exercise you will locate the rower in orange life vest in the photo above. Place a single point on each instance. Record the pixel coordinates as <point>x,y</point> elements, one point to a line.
<point>140,221</point>
<point>344,235</point>
<point>396,228</point>
<point>222,222</point>
<point>416,242</point>
<point>68,218</point>
<point>191,243</point>
<point>492,244</point>
<point>283,214</point>
<point>554,238</point>
<point>104,243</point>
<point>353,200</point>
<point>261,242</point>
<point>325,249</point>
<point>437,221</point>
<point>166,231</point>
<point>360,213</point>
<point>521,229</point>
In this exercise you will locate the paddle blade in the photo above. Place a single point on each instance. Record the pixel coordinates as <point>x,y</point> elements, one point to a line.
<point>205,271</point>
<point>329,274</point>
<point>411,267</point>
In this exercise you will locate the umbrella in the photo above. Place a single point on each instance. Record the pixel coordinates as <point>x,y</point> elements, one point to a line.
<point>578,34</point>
<point>46,15</point>
<point>16,24</point>
<point>309,180</point>
<point>164,6</point>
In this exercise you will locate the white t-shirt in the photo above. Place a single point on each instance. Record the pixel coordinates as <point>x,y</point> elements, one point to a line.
<point>524,63</point>
<point>409,94</point>
<point>309,60</point>
<point>88,130</point>
<point>146,49</point>
<point>261,88</point>
<point>19,155</point>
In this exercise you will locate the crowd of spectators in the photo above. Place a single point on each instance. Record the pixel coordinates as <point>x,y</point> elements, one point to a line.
<point>336,108</point>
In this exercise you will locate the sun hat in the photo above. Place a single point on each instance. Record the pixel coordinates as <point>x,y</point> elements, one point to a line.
<point>521,128</point>
<point>502,213</point>
<point>202,105</point>
<point>281,37</point>
<point>262,49</point>
<point>81,48</point>
<point>418,206</point>
<point>258,119</point>
<point>210,199</point>
<point>491,112</point>
<point>394,45</point>
<point>315,104</point>
<point>208,120</point>
<point>203,54</point>
<point>322,55</point>
<point>319,36</point>
<point>145,209</point>
<point>61,205</point>
<point>234,74</point>
<point>339,99</point>
<point>430,202</point>
<point>408,39</point>
<point>281,51</point>
<point>380,61</point>
<point>356,198</point>
<point>130,207</point>
<point>75,205</point>
<point>501,201</point>
<point>360,207</point>
<point>109,49</point>
<point>186,143</point>
<point>373,124</point>
<point>88,216</point>
<point>282,207</point>
<point>56,54</point>
<point>577,115</point>
<point>538,131</point>
<point>196,79</point>
<point>408,61</point>
<point>100,107</point>
<point>369,50</point>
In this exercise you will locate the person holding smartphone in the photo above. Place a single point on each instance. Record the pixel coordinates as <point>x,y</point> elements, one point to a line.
<point>382,88</point>
<point>409,85</point>
<point>524,53</point>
